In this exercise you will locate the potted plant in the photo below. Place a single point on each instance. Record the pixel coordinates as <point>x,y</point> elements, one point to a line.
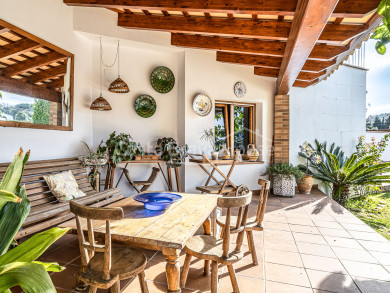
<point>94,161</point>
<point>121,148</point>
<point>171,151</point>
<point>208,136</point>
<point>306,183</point>
<point>283,175</point>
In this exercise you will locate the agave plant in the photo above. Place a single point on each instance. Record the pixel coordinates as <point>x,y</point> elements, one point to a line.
<point>340,176</point>
<point>18,266</point>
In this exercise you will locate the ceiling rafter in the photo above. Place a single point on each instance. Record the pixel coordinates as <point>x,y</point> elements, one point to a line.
<point>53,72</point>
<point>310,19</point>
<point>346,8</point>
<point>17,48</point>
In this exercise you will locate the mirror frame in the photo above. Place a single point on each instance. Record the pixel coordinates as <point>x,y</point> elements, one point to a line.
<point>43,43</point>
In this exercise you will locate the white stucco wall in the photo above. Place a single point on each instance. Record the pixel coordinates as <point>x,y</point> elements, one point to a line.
<point>332,111</point>
<point>53,22</point>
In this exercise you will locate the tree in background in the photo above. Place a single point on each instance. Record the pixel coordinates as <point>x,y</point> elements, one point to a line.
<point>377,123</point>
<point>41,114</point>
<point>21,116</point>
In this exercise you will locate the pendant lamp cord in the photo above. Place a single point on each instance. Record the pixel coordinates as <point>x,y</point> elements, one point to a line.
<point>105,65</point>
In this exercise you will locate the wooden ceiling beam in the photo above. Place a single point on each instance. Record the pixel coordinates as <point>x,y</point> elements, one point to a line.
<point>48,74</point>
<point>4,30</point>
<point>15,86</point>
<point>301,83</point>
<point>55,84</point>
<point>249,59</point>
<point>33,63</point>
<point>17,48</point>
<point>309,76</point>
<point>309,21</point>
<point>317,66</point>
<point>346,8</point>
<point>273,30</point>
<point>202,25</point>
<point>255,46</point>
<point>269,72</point>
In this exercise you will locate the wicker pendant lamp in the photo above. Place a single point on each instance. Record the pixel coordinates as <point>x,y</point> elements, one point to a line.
<point>100,104</point>
<point>118,85</point>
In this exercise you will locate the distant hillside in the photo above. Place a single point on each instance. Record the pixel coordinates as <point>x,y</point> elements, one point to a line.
<point>378,122</point>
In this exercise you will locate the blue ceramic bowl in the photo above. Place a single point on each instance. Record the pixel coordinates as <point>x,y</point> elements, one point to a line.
<point>157,201</point>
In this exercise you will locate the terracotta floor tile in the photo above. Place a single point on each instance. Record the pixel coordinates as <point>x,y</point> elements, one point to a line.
<point>335,232</point>
<point>354,254</point>
<point>276,226</point>
<point>332,282</point>
<point>283,257</point>
<point>244,283</point>
<point>343,242</point>
<point>304,222</point>
<point>304,229</point>
<point>370,236</point>
<point>357,227</point>
<point>67,278</point>
<point>134,287</point>
<point>315,249</point>
<point>285,235</point>
<point>276,244</point>
<point>327,224</point>
<point>349,220</point>
<point>325,264</point>
<point>245,267</point>
<point>382,257</point>
<point>372,286</point>
<point>366,270</point>
<point>375,246</point>
<point>286,274</point>
<point>309,238</point>
<point>275,287</point>
<point>63,255</point>
<point>275,218</point>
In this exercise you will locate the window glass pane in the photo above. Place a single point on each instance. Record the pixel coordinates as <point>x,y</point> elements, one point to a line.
<point>20,108</point>
<point>242,130</point>
<point>220,129</point>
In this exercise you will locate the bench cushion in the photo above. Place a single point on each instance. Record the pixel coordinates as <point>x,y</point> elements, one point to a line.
<point>63,186</point>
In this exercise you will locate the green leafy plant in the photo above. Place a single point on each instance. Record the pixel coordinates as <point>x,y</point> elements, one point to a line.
<point>94,161</point>
<point>382,33</point>
<point>41,114</point>
<point>285,169</point>
<point>121,148</point>
<point>208,136</point>
<point>354,171</point>
<point>171,151</point>
<point>18,266</point>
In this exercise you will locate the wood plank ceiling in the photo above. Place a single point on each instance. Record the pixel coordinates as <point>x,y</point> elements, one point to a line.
<point>299,42</point>
<point>30,66</point>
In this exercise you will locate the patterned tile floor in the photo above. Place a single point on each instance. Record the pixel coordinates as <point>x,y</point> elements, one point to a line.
<point>309,244</point>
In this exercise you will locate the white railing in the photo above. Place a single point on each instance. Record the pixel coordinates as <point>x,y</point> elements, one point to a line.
<point>358,58</point>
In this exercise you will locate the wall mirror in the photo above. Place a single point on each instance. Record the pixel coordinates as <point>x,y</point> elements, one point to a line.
<point>36,81</point>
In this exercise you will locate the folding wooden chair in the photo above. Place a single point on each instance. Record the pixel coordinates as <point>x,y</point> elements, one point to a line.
<point>222,187</point>
<point>145,184</point>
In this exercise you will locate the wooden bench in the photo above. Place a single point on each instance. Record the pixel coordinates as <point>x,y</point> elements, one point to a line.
<point>46,211</point>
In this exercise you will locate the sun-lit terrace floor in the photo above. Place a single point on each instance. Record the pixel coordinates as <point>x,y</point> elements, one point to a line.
<point>309,244</point>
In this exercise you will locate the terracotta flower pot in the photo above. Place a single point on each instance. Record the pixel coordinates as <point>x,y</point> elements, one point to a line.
<point>306,184</point>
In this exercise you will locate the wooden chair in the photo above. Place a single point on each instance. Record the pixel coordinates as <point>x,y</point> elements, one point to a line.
<point>103,266</point>
<point>216,250</point>
<point>253,224</point>
<point>145,184</point>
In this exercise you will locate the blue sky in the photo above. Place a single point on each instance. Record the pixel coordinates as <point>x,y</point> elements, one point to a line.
<point>378,80</point>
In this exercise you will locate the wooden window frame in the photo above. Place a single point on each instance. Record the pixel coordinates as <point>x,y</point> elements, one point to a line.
<point>252,121</point>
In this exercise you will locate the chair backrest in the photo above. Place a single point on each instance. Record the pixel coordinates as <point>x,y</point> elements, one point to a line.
<point>265,187</point>
<point>229,202</point>
<point>88,248</point>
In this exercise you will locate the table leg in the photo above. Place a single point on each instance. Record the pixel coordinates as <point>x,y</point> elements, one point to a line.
<point>177,179</point>
<point>112,175</point>
<point>172,269</point>
<point>107,183</point>
<point>207,231</point>
<point>169,178</point>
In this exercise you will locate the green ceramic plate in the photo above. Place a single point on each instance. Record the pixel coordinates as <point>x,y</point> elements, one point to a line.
<point>145,106</point>
<point>162,79</point>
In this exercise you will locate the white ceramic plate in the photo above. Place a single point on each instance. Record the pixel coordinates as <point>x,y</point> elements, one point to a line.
<point>202,105</point>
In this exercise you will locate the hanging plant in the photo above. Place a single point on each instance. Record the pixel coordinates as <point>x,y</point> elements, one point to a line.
<point>171,151</point>
<point>382,33</point>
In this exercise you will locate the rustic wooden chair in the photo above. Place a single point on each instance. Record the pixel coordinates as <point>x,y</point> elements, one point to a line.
<point>145,184</point>
<point>253,224</point>
<point>103,266</point>
<point>216,250</point>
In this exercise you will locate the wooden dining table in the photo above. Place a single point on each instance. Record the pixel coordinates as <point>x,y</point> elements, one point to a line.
<point>166,231</point>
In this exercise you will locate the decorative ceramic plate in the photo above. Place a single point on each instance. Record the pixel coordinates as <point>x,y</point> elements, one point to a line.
<point>157,201</point>
<point>202,105</point>
<point>162,79</point>
<point>145,106</point>
<point>240,89</point>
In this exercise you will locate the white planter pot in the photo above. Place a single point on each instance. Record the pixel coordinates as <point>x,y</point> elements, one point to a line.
<point>283,185</point>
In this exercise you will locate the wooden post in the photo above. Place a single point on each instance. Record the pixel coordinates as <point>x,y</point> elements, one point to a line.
<point>169,178</point>
<point>177,179</point>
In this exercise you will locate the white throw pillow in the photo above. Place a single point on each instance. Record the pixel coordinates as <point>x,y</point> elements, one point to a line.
<point>64,186</point>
